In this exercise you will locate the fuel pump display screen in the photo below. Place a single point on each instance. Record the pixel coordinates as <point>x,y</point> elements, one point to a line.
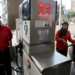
<point>26,10</point>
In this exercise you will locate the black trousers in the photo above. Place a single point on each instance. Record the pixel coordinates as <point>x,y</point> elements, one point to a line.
<point>63,52</point>
<point>6,60</point>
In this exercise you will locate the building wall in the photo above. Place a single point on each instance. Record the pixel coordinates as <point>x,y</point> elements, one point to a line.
<point>73,5</point>
<point>4,9</point>
<point>13,12</point>
<point>73,19</point>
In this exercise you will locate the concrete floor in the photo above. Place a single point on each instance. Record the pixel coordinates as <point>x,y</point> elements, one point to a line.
<point>13,64</point>
<point>72,69</point>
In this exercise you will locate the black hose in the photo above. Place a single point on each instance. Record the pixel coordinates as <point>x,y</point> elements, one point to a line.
<point>16,70</point>
<point>17,57</point>
<point>17,61</point>
<point>66,47</point>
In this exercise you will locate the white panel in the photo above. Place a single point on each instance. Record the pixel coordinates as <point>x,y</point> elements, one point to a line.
<point>26,31</point>
<point>33,70</point>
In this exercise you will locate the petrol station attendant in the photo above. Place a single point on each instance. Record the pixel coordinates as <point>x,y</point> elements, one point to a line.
<point>5,38</point>
<point>62,36</point>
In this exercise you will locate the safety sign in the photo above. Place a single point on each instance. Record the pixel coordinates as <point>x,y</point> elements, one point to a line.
<point>41,5</point>
<point>47,6</point>
<point>47,13</point>
<point>48,23</point>
<point>41,13</point>
<point>43,24</point>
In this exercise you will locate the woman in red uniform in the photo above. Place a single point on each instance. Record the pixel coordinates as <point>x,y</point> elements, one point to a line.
<point>5,38</point>
<point>62,36</point>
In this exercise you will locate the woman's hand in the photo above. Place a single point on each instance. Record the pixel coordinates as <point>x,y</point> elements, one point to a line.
<point>62,40</point>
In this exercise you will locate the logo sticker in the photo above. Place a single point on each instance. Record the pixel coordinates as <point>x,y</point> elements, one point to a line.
<point>28,64</point>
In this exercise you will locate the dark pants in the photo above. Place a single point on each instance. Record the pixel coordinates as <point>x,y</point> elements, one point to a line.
<point>63,52</point>
<point>5,59</point>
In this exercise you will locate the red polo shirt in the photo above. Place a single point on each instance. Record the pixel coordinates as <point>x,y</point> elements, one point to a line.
<point>60,44</point>
<point>5,37</point>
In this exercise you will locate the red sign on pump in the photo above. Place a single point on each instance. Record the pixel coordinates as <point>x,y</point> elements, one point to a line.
<point>50,23</point>
<point>46,22</point>
<point>41,13</point>
<point>47,6</point>
<point>47,13</point>
<point>41,5</point>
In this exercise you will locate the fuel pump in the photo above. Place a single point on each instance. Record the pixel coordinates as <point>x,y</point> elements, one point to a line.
<point>37,32</point>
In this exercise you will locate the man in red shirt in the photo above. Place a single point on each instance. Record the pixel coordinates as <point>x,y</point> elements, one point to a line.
<point>62,36</point>
<point>5,38</point>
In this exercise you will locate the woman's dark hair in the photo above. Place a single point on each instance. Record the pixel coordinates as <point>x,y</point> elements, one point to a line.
<point>65,23</point>
<point>63,32</point>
